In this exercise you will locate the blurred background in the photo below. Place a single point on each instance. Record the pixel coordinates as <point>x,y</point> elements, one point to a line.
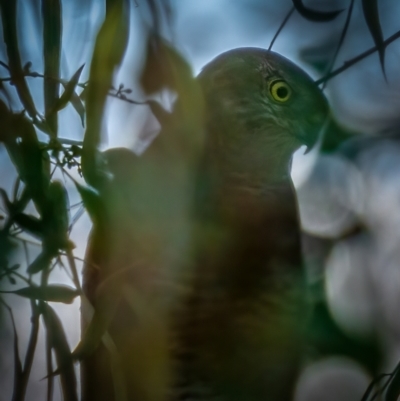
<point>349,194</point>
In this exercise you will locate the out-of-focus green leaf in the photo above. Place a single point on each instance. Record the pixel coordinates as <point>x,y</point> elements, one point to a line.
<point>92,202</point>
<point>30,160</point>
<point>109,49</point>
<point>42,261</point>
<point>312,15</point>
<point>164,68</point>
<point>56,218</point>
<point>77,104</point>
<point>393,390</point>
<point>31,224</point>
<point>50,293</point>
<point>17,360</point>
<point>371,15</point>
<point>52,36</point>
<point>67,94</point>
<point>58,340</point>
<point>9,19</point>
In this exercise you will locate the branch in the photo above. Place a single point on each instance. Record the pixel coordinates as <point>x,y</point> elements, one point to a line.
<point>355,60</point>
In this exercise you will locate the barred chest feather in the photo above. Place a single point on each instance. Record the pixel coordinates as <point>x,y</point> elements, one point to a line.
<point>239,330</point>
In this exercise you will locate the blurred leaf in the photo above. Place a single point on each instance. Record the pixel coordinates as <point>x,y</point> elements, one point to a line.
<point>110,46</point>
<point>29,223</point>
<point>68,93</point>
<point>371,15</point>
<point>164,68</point>
<point>58,340</point>
<point>52,36</point>
<point>59,203</point>
<point>50,293</point>
<point>312,15</point>
<point>92,202</point>
<point>17,360</point>
<point>77,104</point>
<point>9,22</point>
<point>42,262</point>
<point>30,160</point>
<point>393,390</point>
<point>56,218</point>
<point>163,116</point>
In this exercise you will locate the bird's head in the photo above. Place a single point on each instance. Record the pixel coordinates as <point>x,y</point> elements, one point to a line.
<point>260,108</point>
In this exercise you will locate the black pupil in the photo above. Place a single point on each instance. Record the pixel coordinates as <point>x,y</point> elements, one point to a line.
<point>282,92</point>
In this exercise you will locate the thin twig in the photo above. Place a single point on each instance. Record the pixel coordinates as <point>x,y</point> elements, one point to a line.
<point>126,99</point>
<point>341,40</point>
<point>355,60</point>
<point>3,64</point>
<point>286,19</point>
<point>83,85</point>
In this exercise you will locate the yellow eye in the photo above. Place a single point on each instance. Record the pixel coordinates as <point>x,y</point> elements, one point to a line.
<point>280,91</point>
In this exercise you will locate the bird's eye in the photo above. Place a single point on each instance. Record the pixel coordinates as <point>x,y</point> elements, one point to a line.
<point>280,91</point>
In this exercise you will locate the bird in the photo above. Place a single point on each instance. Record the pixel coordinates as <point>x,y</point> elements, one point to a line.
<point>240,329</point>
<point>209,207</point>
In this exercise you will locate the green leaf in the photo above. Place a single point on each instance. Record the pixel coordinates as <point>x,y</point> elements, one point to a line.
<point>9,18</point>
<point>371,15</point>
<point>17,360</point>
<point>92,202</point>
<point>111,43</point>
<point>52,36</point>
<point>315,16</point>
<point>67,94</point>
<point>56,217</point>
<point>164,68</point>
<point>58,341</point>
<point>30,223</point>
<point>42,262</point>
<point>77,104</point>
<point>49,293</point>
<point>30,160</point>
